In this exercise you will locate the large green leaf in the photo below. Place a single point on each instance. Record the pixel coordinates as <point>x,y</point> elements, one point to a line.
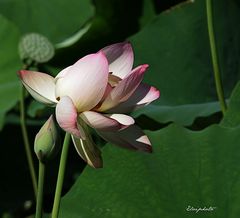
<point>113,21</point>
<point>176,46</point>
<point>198,169</point>
<point>56,19</point>
<point>148,12</point>
<point>9,64</point>
<point>180,114</point>
<point>232,116</point>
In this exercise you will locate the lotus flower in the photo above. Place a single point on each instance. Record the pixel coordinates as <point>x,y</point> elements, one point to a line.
<point>94,92</point>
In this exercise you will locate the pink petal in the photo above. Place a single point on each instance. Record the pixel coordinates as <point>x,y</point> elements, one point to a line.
<point>124,88</point>
<point>40,85</point>
<point>120,58</point>
<point>142,96</point>
<point>84,82</point>
<point>152,94</point>
<point>88,151</point>
<point>132,138</point>
<point>112,122</point>
<point>66,115</point>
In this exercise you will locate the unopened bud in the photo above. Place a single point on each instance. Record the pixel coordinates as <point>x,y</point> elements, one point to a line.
<point>45,144</point>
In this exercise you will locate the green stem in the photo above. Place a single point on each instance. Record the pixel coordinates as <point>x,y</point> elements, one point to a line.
<point>60,178</point>
<point>216,69</point>
<point>41,175</point>
<point>26,142</point>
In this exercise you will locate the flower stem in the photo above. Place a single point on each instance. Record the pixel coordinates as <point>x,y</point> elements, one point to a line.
<point>60,178</point>
<point>41,175</point>
<point>26,142</point>
<point>216,69</point>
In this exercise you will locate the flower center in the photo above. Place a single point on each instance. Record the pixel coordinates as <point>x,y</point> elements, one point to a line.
<point>113,80</point>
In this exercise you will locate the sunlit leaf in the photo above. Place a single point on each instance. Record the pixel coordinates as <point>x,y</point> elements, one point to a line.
<point>181,114</point>
<point>176,46</point>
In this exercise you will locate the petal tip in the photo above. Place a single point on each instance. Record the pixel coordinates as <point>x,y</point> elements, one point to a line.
<point>98,165</point>
<point>141,69</point>
<point>149,149</point>
<point>100,54</point>
<point>127,44</point>
<point>102,58</point>
<point>21,73</point>
<point>156,92</point>
<point>144,67</point>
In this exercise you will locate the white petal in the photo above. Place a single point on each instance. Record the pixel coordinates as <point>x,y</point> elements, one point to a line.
<point>63,73</point>
<point>122,118</point>
<point>66,116</point>
<point>132,138</point>
<point>40,85</point>
<point>120,58</point>
<point>84,82</point>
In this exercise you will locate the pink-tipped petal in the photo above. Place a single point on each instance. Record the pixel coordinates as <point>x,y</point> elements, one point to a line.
<point>132,138</point>
<point>85,81</point>
<point>142,96</point>
<point>152,94</point>
<point>122,118</point>
<point>66,115</point>
<point>120,58</point>
<point>101,122</point>
<point>40,85</point>
<point>124,89</point>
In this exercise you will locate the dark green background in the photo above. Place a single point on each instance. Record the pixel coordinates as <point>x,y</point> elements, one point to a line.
<point>196,150</point>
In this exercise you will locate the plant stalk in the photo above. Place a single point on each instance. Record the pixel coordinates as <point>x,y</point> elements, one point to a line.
<point>61,172</point>
<point>41,176</point>
<point>26,142</point>
<point>216,69</point>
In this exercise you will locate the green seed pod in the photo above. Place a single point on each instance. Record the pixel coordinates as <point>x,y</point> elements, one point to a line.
<point>34,47</point>
<point>45,144</point>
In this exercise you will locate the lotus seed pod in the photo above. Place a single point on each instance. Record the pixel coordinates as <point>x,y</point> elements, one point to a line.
<point>45,144</point>
<point>34,47</point>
